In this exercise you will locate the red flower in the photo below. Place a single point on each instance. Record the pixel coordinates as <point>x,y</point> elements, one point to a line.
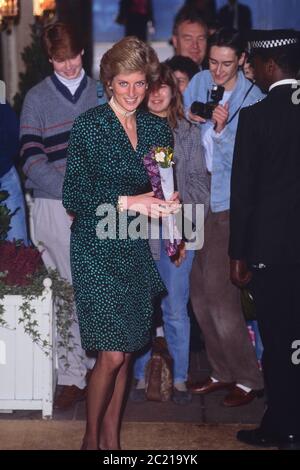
<point>19,262</point>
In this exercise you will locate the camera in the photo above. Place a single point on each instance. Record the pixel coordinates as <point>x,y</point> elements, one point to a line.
<point>205,110</point>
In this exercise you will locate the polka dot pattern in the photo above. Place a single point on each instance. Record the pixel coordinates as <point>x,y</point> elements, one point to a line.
<point>114,279</point>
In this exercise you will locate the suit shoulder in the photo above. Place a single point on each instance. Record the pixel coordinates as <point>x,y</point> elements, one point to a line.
<point>254,108</point>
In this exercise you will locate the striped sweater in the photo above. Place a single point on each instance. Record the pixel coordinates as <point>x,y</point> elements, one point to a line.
<point>47,117</point>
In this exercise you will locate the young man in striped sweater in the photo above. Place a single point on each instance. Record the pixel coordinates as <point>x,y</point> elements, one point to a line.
<point>48,113</point>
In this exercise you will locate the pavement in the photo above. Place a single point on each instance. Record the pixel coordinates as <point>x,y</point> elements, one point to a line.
<point>201,410</point>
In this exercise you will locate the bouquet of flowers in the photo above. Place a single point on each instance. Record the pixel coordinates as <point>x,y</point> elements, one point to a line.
<point>159,165</point>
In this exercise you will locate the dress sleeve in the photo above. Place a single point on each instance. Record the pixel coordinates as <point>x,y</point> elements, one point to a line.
<point>78,183</point>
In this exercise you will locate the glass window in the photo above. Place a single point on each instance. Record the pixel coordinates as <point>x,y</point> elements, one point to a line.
<point>107,30</point>
<point>265,14</point>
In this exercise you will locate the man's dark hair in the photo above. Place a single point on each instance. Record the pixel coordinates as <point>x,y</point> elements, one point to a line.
<point>188,14</point>
<point>183,64</point>
<point>226,37</point>
<point>287,58</point>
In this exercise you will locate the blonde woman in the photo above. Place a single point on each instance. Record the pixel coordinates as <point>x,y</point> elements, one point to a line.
<point>115,279</point>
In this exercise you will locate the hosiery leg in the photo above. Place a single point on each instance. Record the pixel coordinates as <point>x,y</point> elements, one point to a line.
<point>110,427</point>
<point>100,390</point>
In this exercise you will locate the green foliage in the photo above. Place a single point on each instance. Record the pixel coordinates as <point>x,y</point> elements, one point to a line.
<point>37,66</point>
<point>5,216</point>
<point>63,300</point>
<point>62,294</point>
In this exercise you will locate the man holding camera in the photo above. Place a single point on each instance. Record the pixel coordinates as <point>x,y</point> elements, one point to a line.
<point>221,92</point>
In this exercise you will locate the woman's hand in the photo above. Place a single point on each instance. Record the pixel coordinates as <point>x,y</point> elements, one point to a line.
<point>175,197</point>
<point>149,205</point>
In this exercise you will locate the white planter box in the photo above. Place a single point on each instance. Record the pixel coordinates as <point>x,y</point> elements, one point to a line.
<point>27,374</point>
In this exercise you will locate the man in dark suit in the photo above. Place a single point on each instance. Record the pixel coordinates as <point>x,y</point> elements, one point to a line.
<point>265,229</point>
<point>235,15</point>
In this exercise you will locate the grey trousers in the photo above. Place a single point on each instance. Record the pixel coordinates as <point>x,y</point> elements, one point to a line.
<point>217,307</point>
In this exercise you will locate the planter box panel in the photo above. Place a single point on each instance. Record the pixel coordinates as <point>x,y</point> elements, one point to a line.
<point>8,356</point>
<point>24,365</point>
<point>27,374</point>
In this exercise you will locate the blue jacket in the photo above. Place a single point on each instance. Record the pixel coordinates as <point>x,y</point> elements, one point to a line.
<point>197,90</point>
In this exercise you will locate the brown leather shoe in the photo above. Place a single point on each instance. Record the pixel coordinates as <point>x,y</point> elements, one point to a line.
<point>238,397</point>
<point>69,395</point>
<point>208,386</point>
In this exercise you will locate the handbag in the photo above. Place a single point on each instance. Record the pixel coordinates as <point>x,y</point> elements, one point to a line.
<point>159,372</point>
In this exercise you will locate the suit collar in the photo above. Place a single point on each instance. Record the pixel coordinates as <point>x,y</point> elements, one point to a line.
<point>287,81</point>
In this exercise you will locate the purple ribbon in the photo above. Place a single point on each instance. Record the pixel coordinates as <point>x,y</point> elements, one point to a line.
<point>154,176</point>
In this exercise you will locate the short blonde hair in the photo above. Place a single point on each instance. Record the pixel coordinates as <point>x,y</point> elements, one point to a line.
<point>128,56</point>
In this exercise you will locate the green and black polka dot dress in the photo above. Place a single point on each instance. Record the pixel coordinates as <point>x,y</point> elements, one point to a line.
<point>114,280</point>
